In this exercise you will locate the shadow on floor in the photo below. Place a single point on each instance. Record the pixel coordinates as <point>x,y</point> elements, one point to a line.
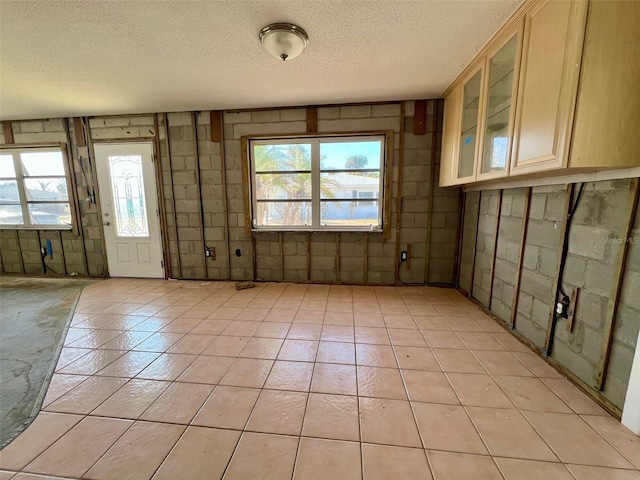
<point>34,313</point>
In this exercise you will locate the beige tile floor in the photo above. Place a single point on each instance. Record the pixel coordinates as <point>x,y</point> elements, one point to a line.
<point>195,380</point>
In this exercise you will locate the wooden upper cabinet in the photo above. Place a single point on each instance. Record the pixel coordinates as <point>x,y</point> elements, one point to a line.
<point>502,66</point>
<point>550,67</point>
<point>450,129</point>
<point>607,127</point>
<point>555,90</point>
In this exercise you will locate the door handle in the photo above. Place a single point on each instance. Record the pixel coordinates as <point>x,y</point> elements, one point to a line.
<point>106,224</point>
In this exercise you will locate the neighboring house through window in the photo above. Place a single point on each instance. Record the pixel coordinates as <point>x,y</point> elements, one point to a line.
<point>317,183</point>
<point>33,188</point>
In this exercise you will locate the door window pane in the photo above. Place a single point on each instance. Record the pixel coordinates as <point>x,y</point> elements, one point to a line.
<point>128,196</point>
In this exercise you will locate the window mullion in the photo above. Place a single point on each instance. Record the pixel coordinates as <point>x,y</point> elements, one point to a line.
<point>315,182</point>
<point>22,191</point>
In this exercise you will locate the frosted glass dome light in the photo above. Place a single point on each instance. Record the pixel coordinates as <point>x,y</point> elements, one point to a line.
<point>284,40</point>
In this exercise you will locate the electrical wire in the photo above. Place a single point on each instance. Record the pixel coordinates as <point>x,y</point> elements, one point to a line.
<point>565,245</point>
<point>563,258</point>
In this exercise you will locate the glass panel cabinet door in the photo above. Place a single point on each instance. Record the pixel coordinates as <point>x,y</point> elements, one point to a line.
<point>496,135</point>
<point>468,136</point>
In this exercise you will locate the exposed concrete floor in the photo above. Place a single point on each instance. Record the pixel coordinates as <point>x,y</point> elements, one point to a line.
<point>33,315</point>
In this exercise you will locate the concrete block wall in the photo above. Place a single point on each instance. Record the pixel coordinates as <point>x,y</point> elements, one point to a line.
<point>73,253</point>
<point>507,252</point>
<point>202,185</point>
<point>596,237</point>
<point>340,258</point>
<point>485,246</point>
<point>594,244</point>
<point>540,261</point>
<point>627,320</point>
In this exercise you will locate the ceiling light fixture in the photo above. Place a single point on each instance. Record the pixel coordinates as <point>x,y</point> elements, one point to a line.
<point>284,40</point>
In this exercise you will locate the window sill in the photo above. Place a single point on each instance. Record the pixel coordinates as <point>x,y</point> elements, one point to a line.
<point>36,227</point>
<point>317,230</point>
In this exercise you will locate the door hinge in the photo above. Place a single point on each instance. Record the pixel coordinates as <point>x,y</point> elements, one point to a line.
<point>162,263</point>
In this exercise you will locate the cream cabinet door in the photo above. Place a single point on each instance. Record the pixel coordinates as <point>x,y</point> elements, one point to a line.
<point>502,67</point>
<point>450,140</point>
<point>552,47</point>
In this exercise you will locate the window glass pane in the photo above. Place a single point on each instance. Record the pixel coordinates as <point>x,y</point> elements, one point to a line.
<point>350,155</point>
<point>499,108</point>
<point>274,158</point>
<point>351,213</point>
<point>11,215</point>
<point>349,185</point>
<point>283,186</point>
<point>9,191</point>
<point>128,196</point>
<point>36,164</point>
<point>281,214</point>
<point>46,189</point>
<point>469,125</point>
<point>50,213</point>
<point>7,169</point>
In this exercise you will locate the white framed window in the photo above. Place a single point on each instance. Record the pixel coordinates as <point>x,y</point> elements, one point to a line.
<point>316,182</point>
<point>34,189</point>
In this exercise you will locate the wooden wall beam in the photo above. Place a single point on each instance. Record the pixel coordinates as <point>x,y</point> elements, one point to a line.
<point>337,261</point>
<point>365,259</point>
<point>78,130</point>
<point>162,207</point>
<point>389,191</point>
<point>196,150</point>
<point>312,120</point>
<point>495,247</point>
<point>8,133</point>
<point>546,350</point>
<point>523,241</point>
<point>432,180</point>
<point>216,125</point>
<point>475,247</point>
<point>459,234</point>
<point>281,249</point>
<point>420,117</point>
<point>616,287</point>
<point>308,257</point>
<point>20,252</point>
<point>173,197</point>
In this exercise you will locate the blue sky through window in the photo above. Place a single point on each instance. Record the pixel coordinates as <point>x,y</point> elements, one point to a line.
<point>335,155</point>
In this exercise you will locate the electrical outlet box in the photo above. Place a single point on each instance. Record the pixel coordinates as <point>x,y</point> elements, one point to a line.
<point>404,256</point>
<point>210,252</point>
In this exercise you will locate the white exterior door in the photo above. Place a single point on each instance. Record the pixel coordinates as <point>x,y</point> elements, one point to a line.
<point>129,203</point>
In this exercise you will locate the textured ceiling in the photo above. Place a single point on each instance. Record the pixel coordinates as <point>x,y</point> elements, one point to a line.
<point>69,58</point>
